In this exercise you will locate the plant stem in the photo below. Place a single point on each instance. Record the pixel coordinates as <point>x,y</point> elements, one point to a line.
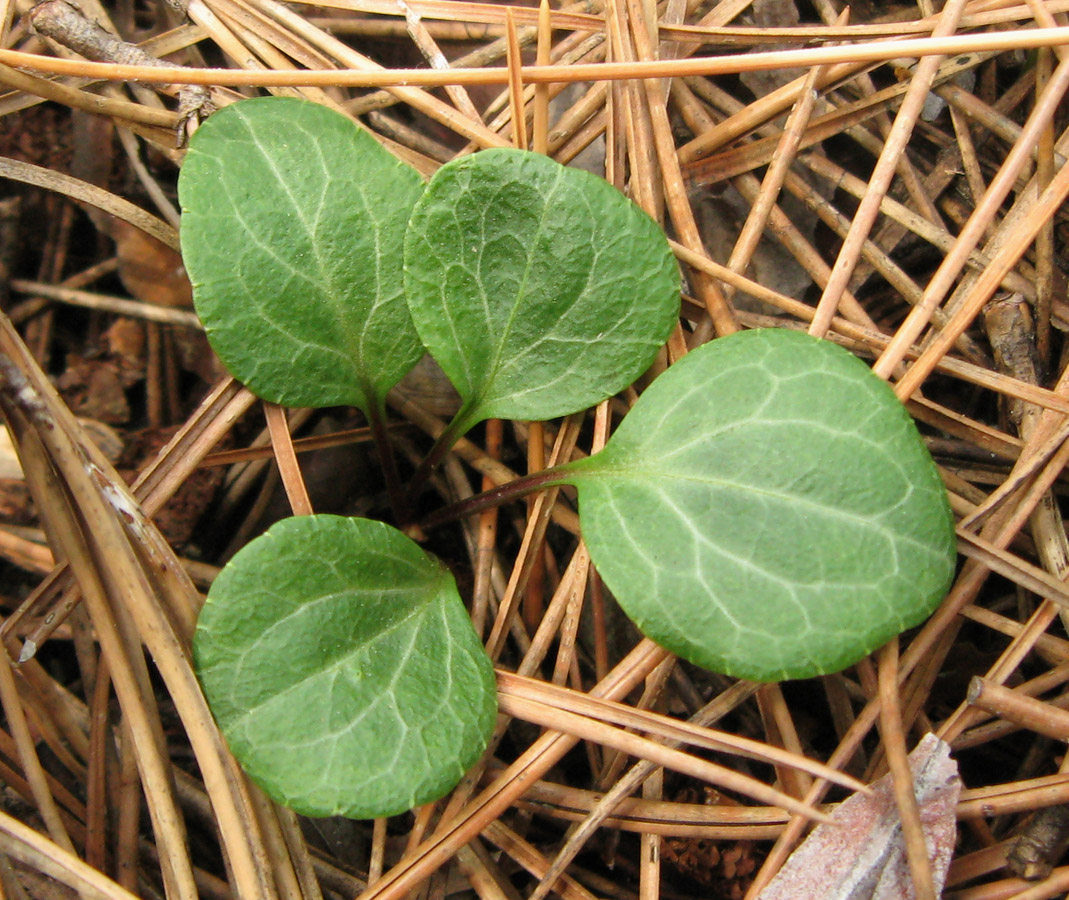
<point>442,445</point>
<point>503,493</point>
<point>398,501</point>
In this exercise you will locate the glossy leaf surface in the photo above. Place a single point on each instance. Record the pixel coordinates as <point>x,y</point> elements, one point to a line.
<point>768,510</point>
<point>343,669</point>
<point>539,289</point>
<point>293,222</point>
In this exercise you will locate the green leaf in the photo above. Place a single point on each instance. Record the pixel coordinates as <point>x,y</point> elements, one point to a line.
<point>768,510</point>
<point>343,670</point>
<point>293,223</point>
<point>540,290</point>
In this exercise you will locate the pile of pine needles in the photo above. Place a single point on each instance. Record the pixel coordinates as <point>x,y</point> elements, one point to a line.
<point>892,181</point>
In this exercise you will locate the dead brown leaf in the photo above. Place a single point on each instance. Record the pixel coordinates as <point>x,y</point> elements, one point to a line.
<point>862,856</point>
<point>150,271</point>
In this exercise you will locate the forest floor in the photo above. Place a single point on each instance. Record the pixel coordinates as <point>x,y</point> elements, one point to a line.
<point>814,172</point>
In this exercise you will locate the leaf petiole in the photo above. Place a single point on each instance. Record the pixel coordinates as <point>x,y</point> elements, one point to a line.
<point>503,493</point>
<point>388,460</point>
<point>455,430</point>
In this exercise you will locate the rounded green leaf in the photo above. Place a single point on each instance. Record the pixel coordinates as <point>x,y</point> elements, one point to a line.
<point>540,290</point>
<point>768,510</point>
<point>343,669</point>
<point>293,223</point>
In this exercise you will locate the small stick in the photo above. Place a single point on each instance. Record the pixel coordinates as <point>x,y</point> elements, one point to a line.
<point>1042,843</point>
<point>62,22</point>
<point>1041,684</point>
<point>1011,332</point>
<point>145,120</point>
<point>1012,706</point>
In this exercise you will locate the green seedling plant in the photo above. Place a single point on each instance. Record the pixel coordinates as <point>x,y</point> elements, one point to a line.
<point>766,510</point>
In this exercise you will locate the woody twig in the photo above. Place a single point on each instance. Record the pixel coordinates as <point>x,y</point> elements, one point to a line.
<point>64,23</point>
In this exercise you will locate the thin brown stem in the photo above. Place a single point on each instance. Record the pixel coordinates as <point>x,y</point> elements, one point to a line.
<point>504,493</point>
<point>388,460</point>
